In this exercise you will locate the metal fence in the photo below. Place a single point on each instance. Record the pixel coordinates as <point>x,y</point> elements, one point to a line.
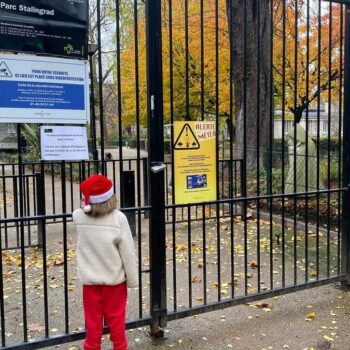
<point>232,62</point>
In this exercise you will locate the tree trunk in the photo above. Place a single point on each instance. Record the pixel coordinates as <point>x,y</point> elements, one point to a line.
<point>251,120</point>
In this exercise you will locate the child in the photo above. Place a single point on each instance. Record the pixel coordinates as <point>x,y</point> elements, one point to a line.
<point>106,262</point>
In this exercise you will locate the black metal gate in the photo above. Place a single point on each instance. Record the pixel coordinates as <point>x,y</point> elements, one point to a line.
<point>273,77</point>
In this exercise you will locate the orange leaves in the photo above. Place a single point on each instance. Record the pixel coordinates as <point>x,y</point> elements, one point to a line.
<point>196,279</point>
<point>174,76</point>
<point>35,327</point>
<point>307,58</point>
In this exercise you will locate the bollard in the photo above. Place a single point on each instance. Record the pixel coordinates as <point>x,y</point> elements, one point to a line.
<point>128,199</point>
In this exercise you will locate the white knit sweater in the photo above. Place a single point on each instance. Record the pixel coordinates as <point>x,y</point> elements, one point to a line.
<point>105,249</point>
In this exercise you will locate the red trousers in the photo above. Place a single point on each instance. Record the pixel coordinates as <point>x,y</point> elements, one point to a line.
<point>108,303</point>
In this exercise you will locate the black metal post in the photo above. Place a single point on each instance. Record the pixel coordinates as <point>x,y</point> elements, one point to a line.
<point>21,214</point>
<point>92,108</point>
<point>40,200</point>
<point>128,198</point>
<point>100,86</point>
<point>156,156</point>
<point>145,184</point>
<point>346,154</point>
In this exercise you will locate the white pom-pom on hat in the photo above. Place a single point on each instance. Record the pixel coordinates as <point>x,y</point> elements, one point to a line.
<point>87,208</point>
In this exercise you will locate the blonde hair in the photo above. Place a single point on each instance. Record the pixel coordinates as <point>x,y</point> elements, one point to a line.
<point>104,208</point>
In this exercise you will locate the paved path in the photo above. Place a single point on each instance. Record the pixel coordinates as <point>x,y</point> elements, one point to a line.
<point>247,327</point>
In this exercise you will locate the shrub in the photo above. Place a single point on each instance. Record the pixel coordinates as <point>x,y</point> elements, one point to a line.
<point>333,172</point>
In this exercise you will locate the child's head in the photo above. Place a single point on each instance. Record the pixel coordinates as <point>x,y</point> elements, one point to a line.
<point>99,198</point>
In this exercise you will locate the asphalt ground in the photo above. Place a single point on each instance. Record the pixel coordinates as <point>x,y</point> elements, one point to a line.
<point>312,319</point>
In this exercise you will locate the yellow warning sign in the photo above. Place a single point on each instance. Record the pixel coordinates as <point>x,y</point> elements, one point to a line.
<point>194,162</point>
<point>186,139</point>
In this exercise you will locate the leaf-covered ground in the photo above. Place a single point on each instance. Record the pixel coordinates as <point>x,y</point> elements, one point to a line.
<point>207,260</point>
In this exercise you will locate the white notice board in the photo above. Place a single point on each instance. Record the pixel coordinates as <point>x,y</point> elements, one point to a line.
<point>37,89</point>
<point>63,143</point>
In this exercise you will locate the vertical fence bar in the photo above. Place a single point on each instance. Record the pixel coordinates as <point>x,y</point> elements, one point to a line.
<point>346,155</point>
<point>65,245</point>
<point>283,132</point>
<point>93,114</point>
<point>119,93</point>
<point>244,163</point>
<point>40,193</point>
<point>217,101</point>
<point>271,140</point>
<point>137,108</point>
<point>329,136</point>
<point>318,139</point>
<point>307,150</point>
<point>341,67</point>
<point>204,254</point>
<point>295,240</point>
<point>189,251</point>
<point>156,156</point>
<point>258,57</point>
<point>100,83</point>
<point>2,305</point>
<point>22,243</point>
<point>187,64</point>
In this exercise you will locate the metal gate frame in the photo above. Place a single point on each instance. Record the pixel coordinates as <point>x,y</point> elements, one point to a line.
<point>159,315</point>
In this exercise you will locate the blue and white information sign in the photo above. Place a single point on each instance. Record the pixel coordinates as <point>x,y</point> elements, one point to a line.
<point>37,89</point>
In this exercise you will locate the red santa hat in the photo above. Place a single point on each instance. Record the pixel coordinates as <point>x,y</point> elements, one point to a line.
<point>96,189</point>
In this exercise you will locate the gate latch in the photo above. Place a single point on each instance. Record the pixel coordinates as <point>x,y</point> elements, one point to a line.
<point>158,167</point>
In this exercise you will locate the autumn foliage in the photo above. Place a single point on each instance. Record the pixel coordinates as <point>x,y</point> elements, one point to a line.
<point>307,59</point>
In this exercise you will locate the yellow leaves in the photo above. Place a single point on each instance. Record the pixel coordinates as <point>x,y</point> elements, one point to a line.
<point>239,249</point>
<point>177,72</point>
<point>310,316</point>
<point>11,259</point>
<point>313,273</point>
<point>209,212</point>
<point>288,58</point>
<point>328,338</point>
<point>15,259</point>
<point>180,247</point>
<point>195,250</point>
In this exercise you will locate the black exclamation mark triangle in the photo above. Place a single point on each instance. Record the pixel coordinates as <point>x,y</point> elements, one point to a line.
<point>186,139</point>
